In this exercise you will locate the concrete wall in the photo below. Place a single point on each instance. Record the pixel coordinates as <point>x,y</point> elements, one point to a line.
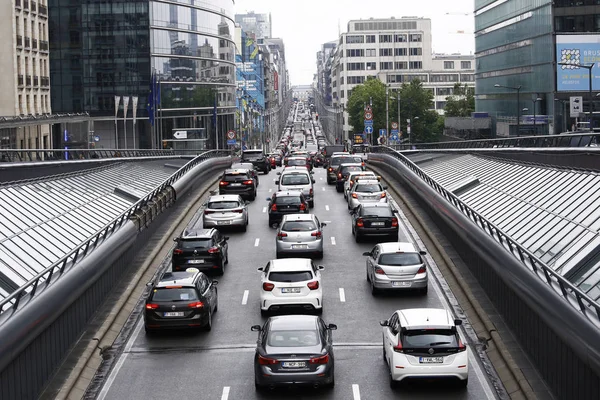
<point>8,83</point>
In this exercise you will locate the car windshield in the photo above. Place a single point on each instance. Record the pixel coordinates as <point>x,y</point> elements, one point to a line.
<point>293,338</point>
<point>173,294</point>
<point>235,177</point>
<point>400,259</point>
<point>420,338</point>
<point>369,188</point>
<point>376,212</point>
<point>295,179</point>
<point>288,200</point>
<point>252,156</point>
<point>299,226</point>
<point>297,162</point>
<point>222,205</point>
<point>195,243</point>
<point>290,276</point>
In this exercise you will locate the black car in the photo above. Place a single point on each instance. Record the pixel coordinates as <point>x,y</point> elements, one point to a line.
<point>249,167</point>
<point>286,202</point>
<point>205,249</point>
<point>294,349</point>
<point>185,299</point>
<point>334,162</point>
<point>374,219</point>
<point>342,173</point>
<point>258,158</point>
<point>238,181</point>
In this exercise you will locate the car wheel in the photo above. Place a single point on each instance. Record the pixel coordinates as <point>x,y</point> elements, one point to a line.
<point>424,291</point>
<point>264,313</point>
<point>221,269</point>
<point>149,331</point>
<point>319,311</point>
<point>331,384</point>
<point>227,258</point>
<point>253,197</point>
<point>208,326</point>
<point>320,255</point>
<point>374,290</point>
<point>245,227</point>
<point>258,386</point>
<point>368,277</point>
<point>216,302</point>
<point>393,383</point>
<point>357,237</point>
<point>278,255</point>
<point>337,189</point>
<point>394,238</point>
<point>311,204</point>
<point>463,383</point>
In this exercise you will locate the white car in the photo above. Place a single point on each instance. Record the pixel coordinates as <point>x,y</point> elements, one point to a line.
<point>424,343</point>
<point>351,180</point>
<point>291,283</point>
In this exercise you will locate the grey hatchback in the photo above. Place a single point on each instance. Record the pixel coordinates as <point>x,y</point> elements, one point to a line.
<point>300,234</point>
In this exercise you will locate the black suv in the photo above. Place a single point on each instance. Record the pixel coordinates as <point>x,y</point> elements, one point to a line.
<point>374,219</point>
<point>258,158</point>
<point>286,202</point>
<point>335,161</point>
<point>342,173</point>
<point>238,181</point>
<point>204,249</point>
<point>250,167</point>
<point>184,299</point>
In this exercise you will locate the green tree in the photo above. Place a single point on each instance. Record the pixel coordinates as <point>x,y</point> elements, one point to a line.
<point>371,92</point>
<point>461,103</point>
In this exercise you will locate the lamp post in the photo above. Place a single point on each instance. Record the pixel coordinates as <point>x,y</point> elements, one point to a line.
<point>564,114</point>
<point>589,68</point>
<point>518,90</point>
<point>534,114</point>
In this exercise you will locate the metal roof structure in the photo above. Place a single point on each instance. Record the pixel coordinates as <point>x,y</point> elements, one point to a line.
<point>41,221</point>
<point>553,212</point>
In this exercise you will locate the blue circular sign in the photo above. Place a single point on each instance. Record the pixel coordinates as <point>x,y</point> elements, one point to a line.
<point>96,138</point>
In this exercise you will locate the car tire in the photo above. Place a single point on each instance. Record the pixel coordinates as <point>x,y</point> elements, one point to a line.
<point>393,384</point>
<point>368,277</point>
<point>253,196</point>
<point>278,255</point>
<point>149,332</point>
<point>319,311</point>
<point>357,237</point>
<point>221,269</point>
<point>244,227</point>
<point>311,204</point>
<point>424,291</point>
<point>264,313</point>
<point>374,290</point>
<point>258,387</point>
<point>331,384</point>
<point>463,383</point>
<point>394,238</point>
<point>217,302</point>
<point>319,255</point>
<point>226,258</point>
<point>337,189</point>
<point>208,326</point>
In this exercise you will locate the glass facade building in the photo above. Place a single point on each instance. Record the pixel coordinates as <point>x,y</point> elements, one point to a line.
<point>103,49</point>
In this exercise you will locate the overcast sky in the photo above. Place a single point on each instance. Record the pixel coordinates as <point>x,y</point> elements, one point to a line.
<point>305,25</point>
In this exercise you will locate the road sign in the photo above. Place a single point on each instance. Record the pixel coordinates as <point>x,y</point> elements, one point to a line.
<point>382,132</point>
<point>368,115</point>
<point>231,142</point>
<point>96,138</point>
<point>369,109</point>
<point>231,135</point>
<point>575,105</point>
<point>394,126</point>
<point>369,129</point>
<point>369,122</point>
<point>381,140</point>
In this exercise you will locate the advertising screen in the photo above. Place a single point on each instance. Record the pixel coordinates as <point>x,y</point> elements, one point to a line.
<point>577,49</point>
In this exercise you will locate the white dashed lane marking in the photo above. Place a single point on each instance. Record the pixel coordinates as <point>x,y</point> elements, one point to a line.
<point>270,190</point>
<point>327,208</point>
<point>245,297</point>
<point>356,392</point>
<point>323,188</point>
<point>256,242</point>
<point>342,295</point>
<point>225,395</point>
<point>264,209</point>
<point>333,241</point>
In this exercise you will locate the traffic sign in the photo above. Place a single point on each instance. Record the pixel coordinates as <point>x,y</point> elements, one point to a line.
<point>369,122</point>
<point>231,135</point>
<point>369,129</point>
<point>368,115</point>
<point>369,109</point>
<point>231,142</point>
<point>394,126</point>
<point>382,132</point>
<point>381,140</point>
<point>96,138</point>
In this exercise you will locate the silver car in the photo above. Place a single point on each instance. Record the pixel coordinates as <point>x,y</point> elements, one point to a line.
<point>396,266</point>
<point>355,175</point>
<point>297,178</point>
<point>366,191</point>
<point>226,210</point>
<point>300,234</point>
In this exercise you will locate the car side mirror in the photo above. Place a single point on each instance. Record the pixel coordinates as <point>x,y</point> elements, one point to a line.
<point>268,199</point>
<point>246,202</point>
<point>225,237</point>
<point>320,267</point>
<point>458,322</point>
<point>255,328</point>
<point>324,166</point>
<point>422,253</point>
<point>149,284</point>
<point>215,282</point>
<point>323,224</point>
<point>279,173</point>
<point>261,269</point>
<point>385,188</point>
<point>312,172</point>
<point>276,180</point>
<point>312,180</point>
<point>174,239</point>
<point>384,323</point>
<point>332,327</point>
<point>367,254</point>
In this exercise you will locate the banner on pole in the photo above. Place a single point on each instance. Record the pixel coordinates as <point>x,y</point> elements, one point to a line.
<point>117,103</point>
<point>125,106</point>
<point>134,100</point>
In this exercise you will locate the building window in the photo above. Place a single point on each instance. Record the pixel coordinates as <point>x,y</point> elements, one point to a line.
<point>465,64</point>
<point>400,52</point>
<point>385,38</point>
<point>355,39</point>
<point>355,66</point>
<point>416,51</point>
<point>445,91</point>
<point>448,64</point>
<point>416,37</point>
<point>467,77</point>
<point>355,53</point>
<point>400,38</point>
<point>439,105</point>
<point>385,52</point>
<point>416,65</point>
<point>342,80</point>
<point>371,53</point>
<point>386,65</point>
<point>356,80</point>
<point>371,39</point>
<point>371,66</point>
<point>444,78</point>
<point>342,94</point>
<point>401,65</point>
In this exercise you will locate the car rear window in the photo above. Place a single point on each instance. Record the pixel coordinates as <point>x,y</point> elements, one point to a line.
<point>293,338</point>
<point>296,162</point>
<point>377,212</point>
<point>346,170</point>
<point>174,294</point>
<point>295,179</point>
<point>291,276</point>
<point>400,259</point>
<point>357,159</point>
<point>222,205</point>
<point>288,200</point>
<point>235,177</point>
<point>195,243</point>
<point>252,156</point>
<point>436,338</point>
<point>299,226</point>
<point>373,187</point>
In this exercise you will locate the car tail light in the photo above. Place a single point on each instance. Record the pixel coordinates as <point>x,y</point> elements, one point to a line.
<point>206,212</point>
<point>394,221</point>
<point>238,211</point>
<point>360,222</point>
<point>197,304</point>
<point>248,182</point>
<point>379,271</point>
<point>311,192</point>
<point>339,176</point>
<point>302,207</point>
<point>422,270</point>
<point>362,163</point>
<point>398,348</point>
<point>151,306</point>
<point>267,287</point>
<point>214,250</point>
<point>320,360</point>
<point>314,285</point>
<point>274,207</point>
<point>329,169</point>
<point>281,235</point>
<point>177,251</point>
<point>223,183</point>
<point>461,345</point>
<point>266,361</point>
<point>317,234</point>
<point>351,183</point>
<point>383,195</point>
<point>354,196</point>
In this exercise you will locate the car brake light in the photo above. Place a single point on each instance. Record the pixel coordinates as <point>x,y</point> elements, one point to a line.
<point>311,192</point>
<point>339,176</point>
<point>398,348</point>
<point>461,345</point>
<point>150,306</point>
<point>394,221</point>
<point>238,211</point>
<point>302,207</point>
<point>317,234</point>
<point>214,250</point>
<point>354,196</point>
<point>177,251</point>
<point>360,222</point>
<point>197,304</point>
<point>379,271</point>
<point>320,360</point>
<point>314,285</point>
<point>223,183</point>
<point>208,212</point>
<point>329,169</point>
<point>274,207</point>
<point>422,270</point>
<point>281,235</point>
<point>266,361</point>
<point>248,182</point>
<point>383,195</point>
<point>267,287</point>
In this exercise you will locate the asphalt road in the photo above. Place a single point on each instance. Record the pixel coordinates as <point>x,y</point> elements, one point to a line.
<point>219,364</point>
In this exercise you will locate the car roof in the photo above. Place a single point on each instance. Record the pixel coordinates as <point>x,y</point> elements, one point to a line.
<point>295,170</point>
<point>286,193</point>
<point>224,197</point>
<point>253,151</point>
<point>235,171</point>
<point>293,322</point>
<point>178,278</point>
<point>242,165</point>
<point>393,247</point>
<point>199,233</point>
<point>291,264</point>
<point>366,181</point>
<point>353,164</point>
<point>298,217</point>
<point>425,318</point>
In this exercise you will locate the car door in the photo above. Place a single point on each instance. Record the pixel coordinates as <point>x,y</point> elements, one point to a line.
<point>372,261</point>
<point>390,335</point>
<point>205,294</point>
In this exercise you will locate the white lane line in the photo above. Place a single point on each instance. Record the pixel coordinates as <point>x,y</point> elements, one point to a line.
<point>256,242</point>
<point>327,208</point>
<point>225,395</point>
<point>270,190</point>
<point>321,178</point>
<point>245,297</point>
<point>333,241</point>
<point>264,209</point>
<point>342,295</point>
<point>323,188</point>
<point>355,392</point>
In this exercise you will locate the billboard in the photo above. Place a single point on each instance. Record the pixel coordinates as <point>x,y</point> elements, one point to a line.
<point>577,49</point>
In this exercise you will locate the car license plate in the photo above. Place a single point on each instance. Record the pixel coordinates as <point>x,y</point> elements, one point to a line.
<point>174,314</point>
<point>377,223</point>
<point>195,261</point>
<point>236,184</point>
<point>293,364</point>
<point>223,222</point>
<point>431,360</point>
<point>401,284</point>
<point>290,290</point>
<point>299,246</point>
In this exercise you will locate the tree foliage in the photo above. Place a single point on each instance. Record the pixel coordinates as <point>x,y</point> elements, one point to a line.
<point>461,103</point>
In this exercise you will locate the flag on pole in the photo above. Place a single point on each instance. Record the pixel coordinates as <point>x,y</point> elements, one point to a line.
<point>134,100</point>
<point>125,106</point>
<point>117,103</point>
<point>151,99</point>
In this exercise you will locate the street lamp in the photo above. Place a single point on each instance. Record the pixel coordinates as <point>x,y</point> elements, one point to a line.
<point>534,113</point>
<point>518,90</point>
<point>589,68</point>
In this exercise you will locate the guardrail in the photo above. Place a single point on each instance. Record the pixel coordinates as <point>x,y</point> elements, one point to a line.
<point>583,302</point>
<point>35,155</point>
<point>563,140</point>
<point>56,270</point>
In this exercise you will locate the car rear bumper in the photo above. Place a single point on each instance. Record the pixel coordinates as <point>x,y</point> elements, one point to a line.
<point>210,222</point>
<point>288,247</point>
<point>353,203</point>
<point>245,192</point>
<point>198,320</point>
<point>377,231</point>
<point>209,264</point>
<point>387,283</point>
<point>265,376</point>
<point>269,302</point>
<point>457,369</point>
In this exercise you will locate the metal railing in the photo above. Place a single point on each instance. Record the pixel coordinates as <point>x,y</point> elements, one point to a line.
<point>56,270</point>
<point>34,155</point>
<point>564,140</point>
<point>562,286</point>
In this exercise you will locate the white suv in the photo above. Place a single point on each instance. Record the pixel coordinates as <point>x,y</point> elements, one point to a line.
<point>298,179</point>
<point>424,343</point>
<point>291,283</point>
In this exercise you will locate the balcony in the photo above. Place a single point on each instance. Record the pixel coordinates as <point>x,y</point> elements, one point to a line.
<point>27,42</point>
<point>45,81</point>
<point>20,41</point>
<point>35,81</point>
<point>34,44</point>
<point>28,80</point>
<point>44,45</point>
<point>20,80</point>
<point>42,10</point>
<point>33,6</point>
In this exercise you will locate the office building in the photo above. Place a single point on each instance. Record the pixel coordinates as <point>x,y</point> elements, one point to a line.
<point>254,23</point>
<point>105,53</point>
<point>323,78</point>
